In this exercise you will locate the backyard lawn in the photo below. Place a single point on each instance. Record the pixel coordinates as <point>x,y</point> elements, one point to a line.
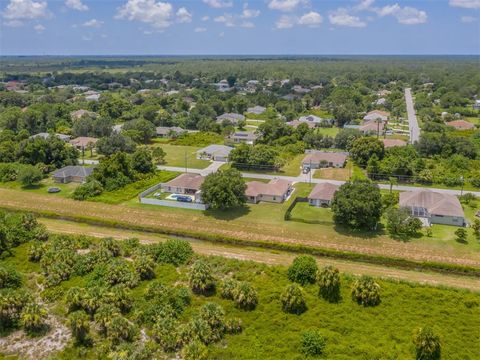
<point>65,189</point>
<point>177,154</point>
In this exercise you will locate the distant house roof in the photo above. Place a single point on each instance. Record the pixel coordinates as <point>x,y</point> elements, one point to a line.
<point>295,123</point>
<point>73,171</point>
<point>218,150</point>
<point>244,135</point>
<point>377,114</point>
<point>187,180</point>
<point>232,117</point>
<point>256,110</point>
<point>117,129</point>
<point>393,142</point>
<point>381,101</point>
<point>461,125</point>
<point>311,119</point>
<point>165,130</point>
<point>383,92</point>
<point>331,157</point>
<point>45,135</point>
<point>275,187</point>
<point>436,203</point>
<point>83,141</point>
<point>75,115</point>
<point>323,191</point>
<point>372,126</point>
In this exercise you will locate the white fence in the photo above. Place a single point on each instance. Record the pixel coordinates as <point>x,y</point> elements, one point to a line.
<point>176,204</point>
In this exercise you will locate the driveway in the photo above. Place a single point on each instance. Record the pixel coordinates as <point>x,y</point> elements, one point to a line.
<point>412,117</point>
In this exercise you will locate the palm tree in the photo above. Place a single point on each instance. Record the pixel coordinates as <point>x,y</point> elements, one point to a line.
<point>145,266</point>
<point>427,344</point>
<point>366,291</point>
<point>201,279</point>
<point>293,300</point>
<point>245,296</point>
<point>74,298</point>
<point>33,317</point>
<point>329,283</point>
<point>120,329</point>
<point>104,315</point>
<point>80,325</point>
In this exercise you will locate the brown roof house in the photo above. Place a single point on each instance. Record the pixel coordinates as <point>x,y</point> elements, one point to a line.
<point>83,142</point>
<point>68,174</point>
<point>322,194</point>
<point>186,183</point>
<point>461,125</point>
<point>433,207</point>
<point>322,159</point>
<point>276,190</point>
<point>388,143</point>
<point>372,127</point>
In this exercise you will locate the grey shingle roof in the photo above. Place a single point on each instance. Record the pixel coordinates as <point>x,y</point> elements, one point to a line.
<point>78,171</point>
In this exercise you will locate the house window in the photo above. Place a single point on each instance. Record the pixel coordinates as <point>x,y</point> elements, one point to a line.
<point>274,198</point>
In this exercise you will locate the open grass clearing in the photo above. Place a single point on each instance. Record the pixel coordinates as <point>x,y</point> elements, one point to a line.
<point>181,156</point>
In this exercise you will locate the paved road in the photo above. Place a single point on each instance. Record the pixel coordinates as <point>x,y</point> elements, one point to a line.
<point>412,117</point>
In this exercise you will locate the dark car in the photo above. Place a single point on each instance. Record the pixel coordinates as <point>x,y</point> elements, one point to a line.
<point>53,190</point>
<point>306,170</point>
<point>184,198</point>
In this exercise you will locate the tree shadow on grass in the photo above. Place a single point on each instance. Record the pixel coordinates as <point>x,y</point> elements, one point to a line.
<point>361,233</point>
<point>229,214</point>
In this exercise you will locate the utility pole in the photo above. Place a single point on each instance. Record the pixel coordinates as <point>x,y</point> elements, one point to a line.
<point>186,168</point>
<point>463,183</point>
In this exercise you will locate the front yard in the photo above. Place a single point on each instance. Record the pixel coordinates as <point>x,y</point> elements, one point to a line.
<point>179,155</point>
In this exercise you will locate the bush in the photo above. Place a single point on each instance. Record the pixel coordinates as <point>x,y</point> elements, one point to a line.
<point>329,284</point>
<point>214,315</point>
<point>233,326</point>
<point>175,252</point>
<point>303,270</point>
<point>88,190</point>
<point>33,317</point>
<point>120,329</point>
<point>195,350</point>
<point>29,176</point>
<point>245,296</point>
<point>227,288</point>
<point>145,267</point>
<point>12,302</point>
<point>36,251</point>
<point>103,316</point>
<point>201,279</point>
<point>427,344</point>
<point>117,271</point>
<point>312,343</point>
<point>9,278</point>
<point>165,332</point>
<point>110,245</point>
<point>366,292</point>
<point>79,324</point>
<point>293,300</point>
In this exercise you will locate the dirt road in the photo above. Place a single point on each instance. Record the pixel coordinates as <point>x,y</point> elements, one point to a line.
<point>268,257</point>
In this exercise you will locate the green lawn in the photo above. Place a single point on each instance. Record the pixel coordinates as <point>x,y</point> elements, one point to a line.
<point>177,154</point>
<point>328,131</point>
<point>312,214</point>
<point>66,189</point>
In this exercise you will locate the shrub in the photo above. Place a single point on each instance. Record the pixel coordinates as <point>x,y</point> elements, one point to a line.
<point>245,296</point>
<point>29,176</point>
<point>79,325</point>
<point>227,288</point>
<point>233,326</point>
<point>110,245</point>
<point>74,298</point>
<point>129,246</point>
<point>36,251</point>
<point>293,300</point>
<point>214,315</point>
<point>104,315</point>
<point>329,284</point>
<point>120,329</point>
<point>117,271</point>
<point>87,190</point>
<point>12,302</point>
<point>195,350</point>
<point>33,317</point>
<point>427,344</point>
<point>175,251</point>
<point>303,270</point>
<point>201,279</point>
<point>366,292</point>
<point>119,296</point>
<point>312,343</point>
<point>165,332</point>
<point>9,278</point>
<point>145,267</point>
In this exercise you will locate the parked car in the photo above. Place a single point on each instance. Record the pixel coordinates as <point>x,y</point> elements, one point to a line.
<point>184,198</point>
<point>53,190</point>
<point>306,170</point>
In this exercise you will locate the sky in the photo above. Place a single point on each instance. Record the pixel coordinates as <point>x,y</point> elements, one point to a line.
<point>236,27</point>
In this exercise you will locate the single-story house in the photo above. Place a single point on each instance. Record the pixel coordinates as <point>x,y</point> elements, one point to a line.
<point>245,137</point>
<point>296,123</point>
<point>68,174</point>
<point>388,143</point>
<point>380,101</point>
<point>83,142</point>
<point>231,117</point>
<point>117,129</point>
<point>169,131</point>
<point>461,125</point>
<point>276,190</point>
<point>322,194</point>
<point>45,135</point>
<point>377,114</point>
<point>323,159</point>
<point>186,183</point>
<point>372,127</point>
<point>215,153</point>
<point>433,207</point>
<point>257,110</point>
<point>311,119</point>
<point>78,114</point>
<point>476,105</point>
<point>383,92</point>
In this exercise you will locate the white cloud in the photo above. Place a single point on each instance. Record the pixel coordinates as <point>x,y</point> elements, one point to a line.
<point>76,5</point>
<point>218,4</point>
<point>206,18</point>
<point>467,4</point>
<point>249,13</point>
<point>364,5</point>
<point>286,5</point>
<point>406,15</point>
<point>200,29</point>
<point>39,28</point>
<point>226,19</point>
<point>468,19</point>
<point>158,14</point>
<point>183,15</point>
<point>286,22</point>
<point>341,17</point>
<point>247,25</point>
<point>311,19</point>
<point>93,23</point>
<point>19,10</point>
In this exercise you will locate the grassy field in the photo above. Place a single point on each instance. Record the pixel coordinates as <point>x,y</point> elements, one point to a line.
<point>65,189</point>
<point>177,154</point>
<point>351,331</point>
<point>349,171</point>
